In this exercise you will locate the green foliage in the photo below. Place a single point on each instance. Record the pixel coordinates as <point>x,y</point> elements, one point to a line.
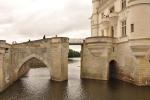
<point>73,53</point>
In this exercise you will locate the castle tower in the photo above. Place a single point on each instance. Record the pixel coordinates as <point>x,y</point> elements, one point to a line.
<point>94,18</point>
<point>103,21</point>
<point>138,31</point>
<point>138,20</point>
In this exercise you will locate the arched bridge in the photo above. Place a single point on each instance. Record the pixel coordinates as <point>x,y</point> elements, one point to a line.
<point>16,59</point>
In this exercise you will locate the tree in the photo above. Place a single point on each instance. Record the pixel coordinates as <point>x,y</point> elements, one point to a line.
<point>73,53</point>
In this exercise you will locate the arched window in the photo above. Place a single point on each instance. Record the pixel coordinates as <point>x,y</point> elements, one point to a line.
<point>123,4</point>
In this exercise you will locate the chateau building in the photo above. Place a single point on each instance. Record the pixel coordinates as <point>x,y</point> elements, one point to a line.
<point>120,42</point>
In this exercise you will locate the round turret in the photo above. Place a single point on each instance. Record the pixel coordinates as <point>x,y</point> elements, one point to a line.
<point>139,19</point>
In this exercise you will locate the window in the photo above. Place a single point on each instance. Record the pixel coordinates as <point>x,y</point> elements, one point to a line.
<point>112,31</point>
<point>102,15</point>
<point>123,4</point>
<point>124,28</point>
<point>112,9</point>
<point>132,27</point>
<point>102,31</point>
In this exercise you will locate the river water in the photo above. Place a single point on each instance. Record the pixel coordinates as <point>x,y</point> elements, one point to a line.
<point>36,85</point>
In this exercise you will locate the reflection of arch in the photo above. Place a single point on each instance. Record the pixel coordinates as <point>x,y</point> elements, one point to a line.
<point>19,66</point>
<point>113,65</point>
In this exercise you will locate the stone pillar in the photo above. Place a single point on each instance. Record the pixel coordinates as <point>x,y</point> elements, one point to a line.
<point>95,55</point>
<point>2,53</point>
<point>59,58</point>
<point>1,72</point>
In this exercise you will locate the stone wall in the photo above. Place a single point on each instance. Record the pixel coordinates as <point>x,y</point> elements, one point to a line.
<point>95,55</point>
<point>5,73</point>
<point>130,59</point>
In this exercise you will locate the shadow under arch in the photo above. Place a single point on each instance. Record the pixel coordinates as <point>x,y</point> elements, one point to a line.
<point>24,66</point>
<point>113,68</point>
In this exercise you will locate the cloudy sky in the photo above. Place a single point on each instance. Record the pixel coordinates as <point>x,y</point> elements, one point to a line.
<point>21,20</point>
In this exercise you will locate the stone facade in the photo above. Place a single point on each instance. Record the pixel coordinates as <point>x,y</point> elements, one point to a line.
<point>109,15</point>
<point>16,59</point>
<point>120,42</point>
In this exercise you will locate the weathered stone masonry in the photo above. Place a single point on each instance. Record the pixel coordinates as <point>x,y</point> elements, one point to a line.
<point>120,42</point>
<point>102,58</point>
<point>131,59</point>
<point>53,52</point>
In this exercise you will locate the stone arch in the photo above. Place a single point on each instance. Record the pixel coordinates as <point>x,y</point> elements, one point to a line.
<point>113,66</point>
<point>20,65</point>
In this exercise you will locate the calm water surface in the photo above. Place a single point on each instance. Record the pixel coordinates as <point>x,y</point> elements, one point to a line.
<point>36,85</point>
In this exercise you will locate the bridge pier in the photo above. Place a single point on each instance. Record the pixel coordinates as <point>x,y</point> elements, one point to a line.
<point>59,59</point>
<point>95,54</point>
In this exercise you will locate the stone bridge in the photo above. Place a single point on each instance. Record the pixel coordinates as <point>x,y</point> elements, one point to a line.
<point>102,58</point>
<point>15,59</point>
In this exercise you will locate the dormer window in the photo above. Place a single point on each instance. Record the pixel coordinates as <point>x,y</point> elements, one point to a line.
<point>112,9</point>
<point>123,4</point>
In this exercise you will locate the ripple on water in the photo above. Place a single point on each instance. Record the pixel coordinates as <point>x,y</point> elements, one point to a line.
<point>36,85</point>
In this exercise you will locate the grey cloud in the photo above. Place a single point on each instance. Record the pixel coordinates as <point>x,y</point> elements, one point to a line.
<point>32,22</point>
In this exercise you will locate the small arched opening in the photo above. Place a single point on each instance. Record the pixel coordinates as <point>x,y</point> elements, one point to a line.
<point>74,60</point>
<point>113,65</point>
<point>28,64</point>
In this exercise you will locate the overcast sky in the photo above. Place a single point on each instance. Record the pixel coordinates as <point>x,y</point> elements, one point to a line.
<point>21,20</point>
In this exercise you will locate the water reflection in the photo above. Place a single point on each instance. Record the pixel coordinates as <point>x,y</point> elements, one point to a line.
<point>36,85</point>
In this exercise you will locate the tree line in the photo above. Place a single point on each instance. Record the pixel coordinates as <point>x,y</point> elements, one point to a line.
<point>73,53</point>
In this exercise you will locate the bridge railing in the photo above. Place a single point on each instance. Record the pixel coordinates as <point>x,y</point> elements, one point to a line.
<point>75,41</point>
